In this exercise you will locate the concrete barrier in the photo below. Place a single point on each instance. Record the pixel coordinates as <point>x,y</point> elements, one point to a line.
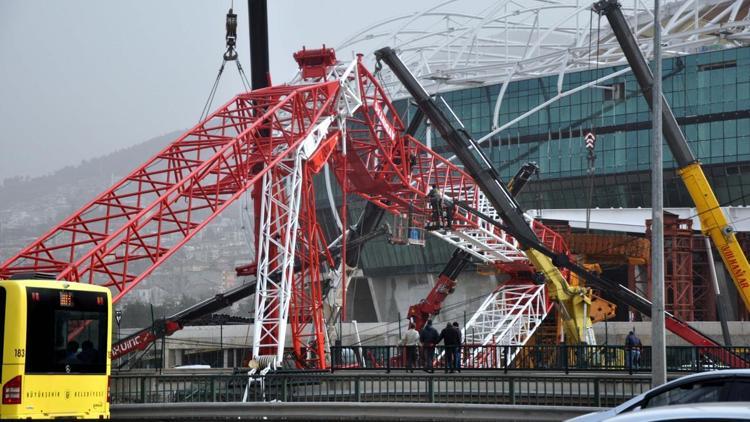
<point>347,411</point>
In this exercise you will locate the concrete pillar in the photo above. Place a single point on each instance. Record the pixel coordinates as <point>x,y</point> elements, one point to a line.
<point>168,357</point>
<point>225,360</point>
<point>177,357</point>
<point>375,301</point>
<point>728,289</point>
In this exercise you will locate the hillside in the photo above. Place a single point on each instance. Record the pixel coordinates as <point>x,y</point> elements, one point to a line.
<point>31,206</point>
<point>15,190</point>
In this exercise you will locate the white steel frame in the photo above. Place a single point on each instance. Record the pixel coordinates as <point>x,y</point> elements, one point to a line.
<point>279,220</point>
<point>486,242</point>
<point>460,44</point>
<point>279,224</point>
<point>508,317</point>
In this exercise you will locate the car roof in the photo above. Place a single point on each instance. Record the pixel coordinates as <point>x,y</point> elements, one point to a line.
<point>722,373</point>
<point>709,375</point>
<point>712,411</point>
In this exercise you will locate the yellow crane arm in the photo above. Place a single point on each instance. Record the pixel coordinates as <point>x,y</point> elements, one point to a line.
<point>713,221</point>
<point>714,224</point>
<point>574,301</point>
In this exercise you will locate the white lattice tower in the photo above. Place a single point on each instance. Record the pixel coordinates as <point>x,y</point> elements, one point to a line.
<point>276,247</point>
<point>509,317</point>
<point>279,238</point>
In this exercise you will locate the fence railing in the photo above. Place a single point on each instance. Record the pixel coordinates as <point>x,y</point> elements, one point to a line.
<point>537,357</point>
<point>583,390</point>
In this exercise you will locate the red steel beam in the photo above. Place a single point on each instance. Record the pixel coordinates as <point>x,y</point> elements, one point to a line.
<point>127,231</point>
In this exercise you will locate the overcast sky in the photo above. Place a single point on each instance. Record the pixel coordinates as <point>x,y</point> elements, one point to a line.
<point>82,78</point>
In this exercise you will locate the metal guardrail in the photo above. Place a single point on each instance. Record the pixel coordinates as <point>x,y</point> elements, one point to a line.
<point>562,358</point>
<point>593,390</point>
<point>347,411</point>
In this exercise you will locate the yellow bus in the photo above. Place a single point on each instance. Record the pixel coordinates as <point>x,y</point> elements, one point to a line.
<point>56,340</point>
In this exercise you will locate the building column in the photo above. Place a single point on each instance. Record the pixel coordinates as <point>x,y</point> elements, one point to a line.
<point>177,357</point>
<point>728,291</point>
<point>167,357</point>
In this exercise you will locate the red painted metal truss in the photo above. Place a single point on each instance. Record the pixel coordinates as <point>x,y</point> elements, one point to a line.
<point>396,172</point>
<point>255,141</point>
<point>126,232</point>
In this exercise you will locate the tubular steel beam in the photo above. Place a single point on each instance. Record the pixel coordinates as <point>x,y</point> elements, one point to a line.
<point>672,132</point>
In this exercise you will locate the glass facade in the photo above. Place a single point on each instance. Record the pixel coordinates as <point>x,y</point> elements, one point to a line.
<point>709,94</point>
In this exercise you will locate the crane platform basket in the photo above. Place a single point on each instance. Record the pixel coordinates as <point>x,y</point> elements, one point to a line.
<point>408,229</point>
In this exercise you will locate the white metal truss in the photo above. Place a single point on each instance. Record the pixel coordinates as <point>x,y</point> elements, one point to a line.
<point>460,44</point>
<point>349,101</point>
<point>485,242</point>
<point>482,244</point>
<point>508,317</point>
<point>279,219</point>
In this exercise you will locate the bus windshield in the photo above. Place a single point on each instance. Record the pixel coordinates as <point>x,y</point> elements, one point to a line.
<point>66,332</point>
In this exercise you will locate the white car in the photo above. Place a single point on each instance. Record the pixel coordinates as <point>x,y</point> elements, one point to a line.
<point>738,411</point>
<point>730,385</point>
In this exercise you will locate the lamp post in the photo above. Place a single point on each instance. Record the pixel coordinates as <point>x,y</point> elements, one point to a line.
<point>658,339</point>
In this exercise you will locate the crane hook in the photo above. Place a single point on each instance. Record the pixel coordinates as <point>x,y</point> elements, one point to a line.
<point>231,53</point>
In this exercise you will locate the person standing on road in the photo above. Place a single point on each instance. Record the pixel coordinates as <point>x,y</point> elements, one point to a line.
<point>411,342</point>
<point>429,337</point>
<point>631,343</point>
<point>452,339</point>
<point>457,356</point>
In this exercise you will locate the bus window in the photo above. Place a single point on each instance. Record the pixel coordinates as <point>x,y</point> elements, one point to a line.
<point>66,332</point>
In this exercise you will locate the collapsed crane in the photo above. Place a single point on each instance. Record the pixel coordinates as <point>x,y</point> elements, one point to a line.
<point>430,306</point>
<point>509,216</point>
<point>273,141</point>
<point>499,203</point>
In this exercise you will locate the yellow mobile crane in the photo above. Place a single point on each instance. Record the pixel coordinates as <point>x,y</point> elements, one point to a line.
<point>714,223</point>
<point>575,301</point>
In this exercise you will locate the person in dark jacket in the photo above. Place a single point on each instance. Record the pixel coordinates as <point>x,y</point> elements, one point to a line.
<point>429,337</point>
<point>457,358</point>
<point>436,202</point>
<point>450,211</point>
<point>452,339</point>
<point>632,351</point>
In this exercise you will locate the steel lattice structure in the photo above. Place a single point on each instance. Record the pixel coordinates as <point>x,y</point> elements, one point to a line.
<point>458,44</point>
<point>270,141</point>
<point>122,235</point>
<point>273,140</point>
<point>509,316</point>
